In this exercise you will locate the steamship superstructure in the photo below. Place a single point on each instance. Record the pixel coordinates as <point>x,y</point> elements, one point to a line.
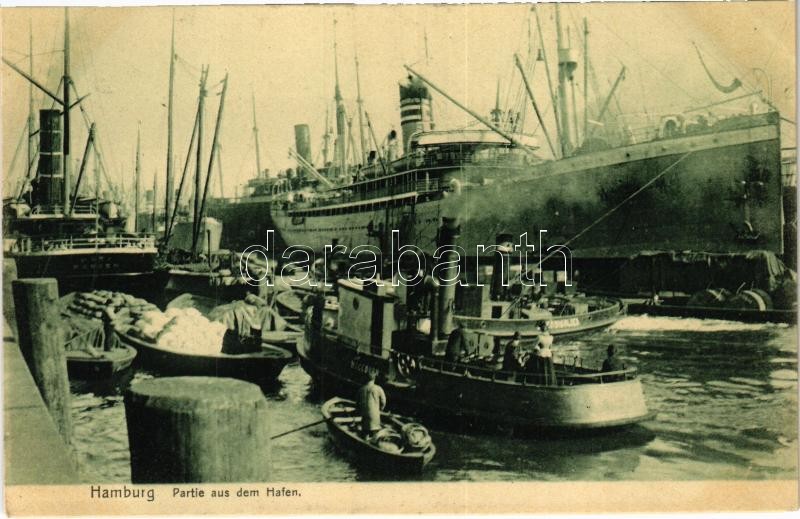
<point>690,183</point>
<point>51,230</point>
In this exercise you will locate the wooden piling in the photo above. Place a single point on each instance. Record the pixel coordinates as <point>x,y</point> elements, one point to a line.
<point>41,341</point>
<point>197,430</point>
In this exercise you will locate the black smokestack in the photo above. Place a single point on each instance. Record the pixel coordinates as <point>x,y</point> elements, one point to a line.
<point>49,185</point>
<point>302,141</point>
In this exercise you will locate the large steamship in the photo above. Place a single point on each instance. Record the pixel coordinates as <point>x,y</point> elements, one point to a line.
<point>691,183</point>
<point>52,230</point>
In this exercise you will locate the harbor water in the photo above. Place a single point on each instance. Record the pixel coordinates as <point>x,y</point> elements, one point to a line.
<point>724,397</point>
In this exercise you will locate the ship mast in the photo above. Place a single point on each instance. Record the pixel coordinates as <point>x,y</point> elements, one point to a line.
<point>535,106</point>
<point>341,129</point>
<point>574,105</point>
<point>66,159</point>
<point>326,138</point>
<point>549,80</point>
<point>497,114</point>
<point>565,68</point>
<point>153,216</point>
<point>360,103</point>
<point>198,171</point>
<point>137,182</point>
<point>255,136</point>
<point>170,161</point>
<point>585,79</point>
<point>31,123</point>
<point>214,151</point>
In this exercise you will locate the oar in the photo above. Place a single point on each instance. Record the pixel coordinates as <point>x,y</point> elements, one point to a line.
<point>298,429</point>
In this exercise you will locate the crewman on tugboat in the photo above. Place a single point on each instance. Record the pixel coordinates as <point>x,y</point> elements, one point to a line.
<point>371,401</point>
<point>541,362</point>
<point>612,363</point>
<point>511,354</point>
<point>456,344</point>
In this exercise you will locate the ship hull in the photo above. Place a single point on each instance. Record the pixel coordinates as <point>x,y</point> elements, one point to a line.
<point>479,398</point>
<point>718,192</point>
<point>245,222</point>
<point>130,270</point>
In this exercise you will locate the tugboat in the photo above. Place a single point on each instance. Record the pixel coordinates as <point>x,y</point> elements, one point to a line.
<point>497,310</point>
<point>374,330</point>
<point>52,231</point>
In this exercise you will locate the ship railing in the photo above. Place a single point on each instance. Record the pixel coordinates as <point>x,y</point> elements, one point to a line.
<point>80,243</point>
<point>80,208</point>
<point>47,209</point>
<point>563,377</point>
<point>418,186</point>
<point>601,314</point>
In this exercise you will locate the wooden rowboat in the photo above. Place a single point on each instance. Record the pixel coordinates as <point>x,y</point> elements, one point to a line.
<point>344,426</point>
<point>83,366</point>
<point>261,367</point>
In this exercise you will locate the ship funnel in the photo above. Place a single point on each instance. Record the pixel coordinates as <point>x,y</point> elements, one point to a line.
<point>48,189</point>
<point>416,113</point>
<point>302,141</point>
<point>568,62</point>
<point>448,235</point>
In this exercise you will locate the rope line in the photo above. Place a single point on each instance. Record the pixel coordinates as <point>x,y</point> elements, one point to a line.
<point>603,217</point>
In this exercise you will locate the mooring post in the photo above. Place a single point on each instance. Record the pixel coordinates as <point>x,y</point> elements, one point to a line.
<point>41,341</point>
<point>197,430</point>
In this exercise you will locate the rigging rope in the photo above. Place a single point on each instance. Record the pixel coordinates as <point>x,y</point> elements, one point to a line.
<point>600,219</point>
<point>722,88</point>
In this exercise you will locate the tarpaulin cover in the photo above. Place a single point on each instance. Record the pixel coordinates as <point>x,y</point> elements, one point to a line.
<point>241,316</point>
<point>693,271</point>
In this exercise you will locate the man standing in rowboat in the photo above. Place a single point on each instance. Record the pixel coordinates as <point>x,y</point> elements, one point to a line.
<point>371,401</point>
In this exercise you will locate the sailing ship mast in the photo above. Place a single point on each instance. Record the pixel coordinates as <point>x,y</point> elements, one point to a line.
<point>154,214</point>
<point>198,170</point>
<point>137,189</point>
<point>170,161</point>
<point>214,150</point>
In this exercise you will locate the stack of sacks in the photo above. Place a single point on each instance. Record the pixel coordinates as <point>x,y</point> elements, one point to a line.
<point>150,325</point>
<point>93,304</point>
<point>187,331</point>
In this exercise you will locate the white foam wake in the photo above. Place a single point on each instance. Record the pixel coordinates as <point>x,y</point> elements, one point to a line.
<point>669,324</point>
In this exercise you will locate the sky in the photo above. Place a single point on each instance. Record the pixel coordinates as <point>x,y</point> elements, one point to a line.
<point>283,57</point>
